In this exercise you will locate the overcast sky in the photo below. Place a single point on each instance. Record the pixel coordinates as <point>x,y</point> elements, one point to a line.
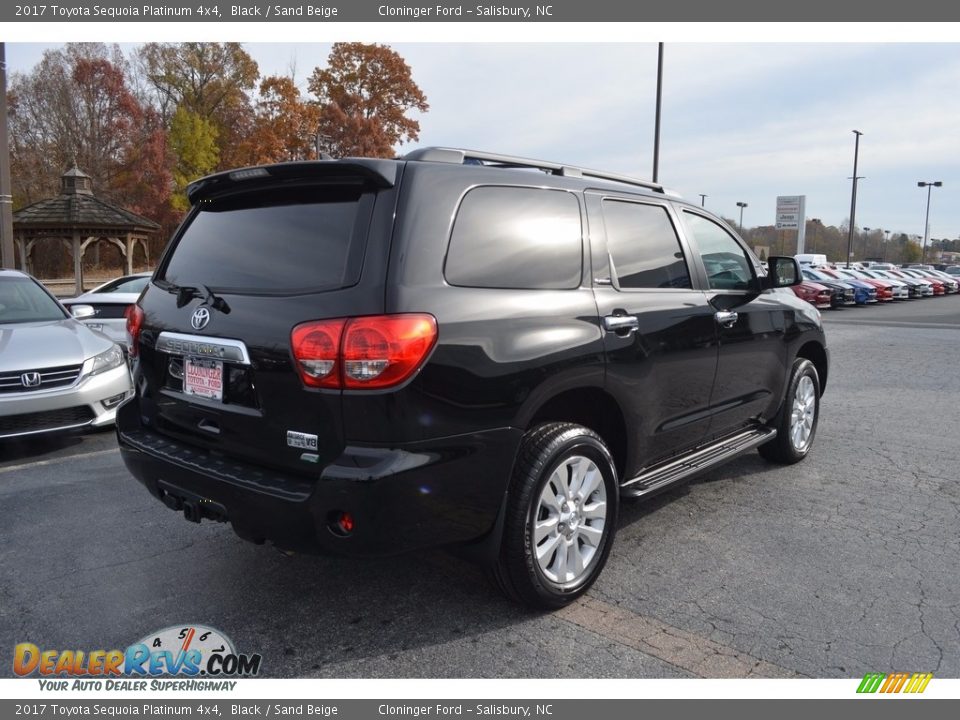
<point>741,122</point>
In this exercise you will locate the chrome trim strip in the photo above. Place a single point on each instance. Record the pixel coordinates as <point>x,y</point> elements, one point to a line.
<point>203,347</point>
<point>46,430</point>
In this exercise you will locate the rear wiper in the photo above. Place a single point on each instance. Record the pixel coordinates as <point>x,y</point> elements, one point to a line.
<point>185,293</point>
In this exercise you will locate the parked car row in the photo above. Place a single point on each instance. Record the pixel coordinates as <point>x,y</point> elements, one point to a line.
<point>834,286</point>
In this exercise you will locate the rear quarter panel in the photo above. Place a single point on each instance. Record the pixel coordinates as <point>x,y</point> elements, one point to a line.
<point>500,352</point>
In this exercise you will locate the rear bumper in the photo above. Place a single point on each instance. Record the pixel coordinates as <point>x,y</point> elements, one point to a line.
<point>438,492</point>
<point>113,328</point>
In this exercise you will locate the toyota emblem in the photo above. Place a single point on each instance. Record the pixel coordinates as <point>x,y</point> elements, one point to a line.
<point>200,318</point>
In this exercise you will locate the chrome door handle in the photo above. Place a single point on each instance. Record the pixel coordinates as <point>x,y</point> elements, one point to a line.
<point>726,319</point>
<point>620,323</point>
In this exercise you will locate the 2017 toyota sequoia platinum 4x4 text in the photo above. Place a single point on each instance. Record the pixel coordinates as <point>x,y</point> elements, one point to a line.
<point>368,356</point>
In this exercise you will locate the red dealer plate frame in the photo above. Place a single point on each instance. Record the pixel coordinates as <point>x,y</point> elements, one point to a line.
<point>203,378</point>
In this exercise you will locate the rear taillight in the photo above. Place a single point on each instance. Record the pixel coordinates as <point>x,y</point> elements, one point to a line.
<point>316,347</point>
<point>134,315</point>
<point>385,350</point>
<point>369,352</point>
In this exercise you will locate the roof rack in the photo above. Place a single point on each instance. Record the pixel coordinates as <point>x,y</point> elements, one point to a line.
<point>457,156</point>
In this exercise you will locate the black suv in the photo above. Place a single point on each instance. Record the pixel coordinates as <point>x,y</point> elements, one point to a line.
<point>369,356</point>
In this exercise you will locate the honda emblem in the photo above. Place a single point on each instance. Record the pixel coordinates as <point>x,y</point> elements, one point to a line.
<point>30,379</point>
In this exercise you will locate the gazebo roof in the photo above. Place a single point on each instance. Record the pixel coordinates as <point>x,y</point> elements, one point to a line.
<point>76,207</point>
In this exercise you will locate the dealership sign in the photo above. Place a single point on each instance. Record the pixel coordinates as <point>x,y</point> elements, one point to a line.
<point>791,211</point>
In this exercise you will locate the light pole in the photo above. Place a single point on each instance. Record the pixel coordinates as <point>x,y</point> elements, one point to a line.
<point>703,200</point>
<point>817,223</point>
<point>866,242</point>
<point>886,241</point>
<point>741,205</point>
<point>853,196</point>
<point>6,194</point>
<point>926,225</point>
<point>656,131</point>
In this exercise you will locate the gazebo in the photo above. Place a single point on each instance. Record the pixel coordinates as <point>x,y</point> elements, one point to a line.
<point>77,218</point>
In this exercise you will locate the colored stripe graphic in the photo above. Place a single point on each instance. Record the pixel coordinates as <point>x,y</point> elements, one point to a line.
<point>894,683</point>
<point>871,683</point>
<point>918,683</point>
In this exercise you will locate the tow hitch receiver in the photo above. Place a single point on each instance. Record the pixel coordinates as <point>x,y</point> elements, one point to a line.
<point>194,507</point>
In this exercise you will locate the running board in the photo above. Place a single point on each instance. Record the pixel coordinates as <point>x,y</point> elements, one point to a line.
<point>660,476</point>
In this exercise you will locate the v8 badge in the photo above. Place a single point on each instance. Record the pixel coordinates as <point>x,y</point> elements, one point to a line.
<point>303,441</point>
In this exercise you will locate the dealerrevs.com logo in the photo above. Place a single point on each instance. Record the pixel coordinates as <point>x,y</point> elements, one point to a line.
<point>183,651</point>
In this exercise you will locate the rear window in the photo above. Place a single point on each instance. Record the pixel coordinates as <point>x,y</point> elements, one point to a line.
<point>126,285</point>
<point>283,240</point>
<point>520,238</point>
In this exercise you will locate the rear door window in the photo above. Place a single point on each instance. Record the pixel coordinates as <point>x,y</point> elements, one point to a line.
<point>283,240</point>
<point>644,246</point>
<point>520,238</point>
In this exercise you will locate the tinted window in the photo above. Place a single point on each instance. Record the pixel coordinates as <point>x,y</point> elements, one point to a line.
<point>22,300</point>
<point>516,238</point>
<point>644,246</point>
<point>287,239</point>
<point>726,263</point>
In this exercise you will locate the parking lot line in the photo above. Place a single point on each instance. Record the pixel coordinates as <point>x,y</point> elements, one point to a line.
<point>688,651</point>
<point>54,461</point>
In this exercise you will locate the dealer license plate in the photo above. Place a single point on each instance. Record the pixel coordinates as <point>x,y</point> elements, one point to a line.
<point>203,378</point>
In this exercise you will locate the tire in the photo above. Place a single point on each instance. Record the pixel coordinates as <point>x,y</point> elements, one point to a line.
<point>574,535</point>
<point>796,421</point>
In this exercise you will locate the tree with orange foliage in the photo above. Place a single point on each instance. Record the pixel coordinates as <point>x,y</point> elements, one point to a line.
<point>284,124</point>
<point>365,93</point>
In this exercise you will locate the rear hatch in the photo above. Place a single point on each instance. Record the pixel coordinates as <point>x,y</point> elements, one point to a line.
<point>261,251</point>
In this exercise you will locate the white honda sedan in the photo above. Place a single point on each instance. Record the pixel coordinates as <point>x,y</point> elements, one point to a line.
<point>55,372</point>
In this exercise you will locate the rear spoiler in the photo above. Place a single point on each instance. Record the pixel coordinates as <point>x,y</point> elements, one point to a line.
<point>366,171</point>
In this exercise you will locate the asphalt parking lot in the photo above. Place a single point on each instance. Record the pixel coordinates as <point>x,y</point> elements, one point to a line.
<point>844,564</point>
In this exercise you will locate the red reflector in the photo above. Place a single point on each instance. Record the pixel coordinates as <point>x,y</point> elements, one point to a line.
<point>345,523</point>
<point>134,315</point>
<point>316,347</point>
<point>384,350</point>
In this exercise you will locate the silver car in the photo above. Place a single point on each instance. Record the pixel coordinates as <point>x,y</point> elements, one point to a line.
<point>109,303</point>
<point>55,373</point>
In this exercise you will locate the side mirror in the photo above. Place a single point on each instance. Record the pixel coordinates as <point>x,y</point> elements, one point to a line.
<point>82,312</point>
<point>783,272</point>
